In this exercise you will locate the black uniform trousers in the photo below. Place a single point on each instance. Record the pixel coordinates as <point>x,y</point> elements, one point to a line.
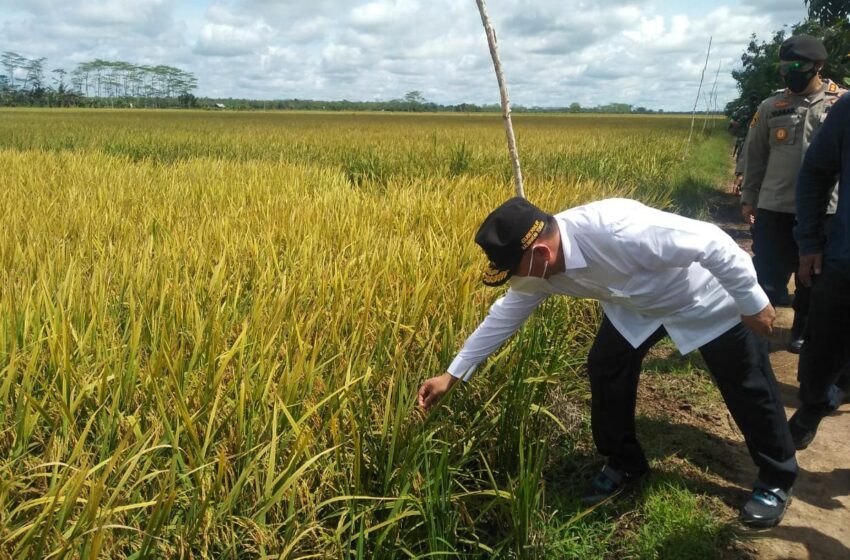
<point>738,361</point>
<point>776,258</point>
<point>825,357</point>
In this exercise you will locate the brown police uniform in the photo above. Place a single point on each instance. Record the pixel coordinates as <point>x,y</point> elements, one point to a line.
<point>780,134</point>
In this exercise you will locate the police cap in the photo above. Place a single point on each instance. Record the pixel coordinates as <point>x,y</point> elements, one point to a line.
<point>802,47</point>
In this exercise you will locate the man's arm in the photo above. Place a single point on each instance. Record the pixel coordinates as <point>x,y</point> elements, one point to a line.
<point>664,240</point>
<point>506,316</point>
<point>741,159</point>
<point>814,183</point>
<point>740,164</point>
<point>756,154</point>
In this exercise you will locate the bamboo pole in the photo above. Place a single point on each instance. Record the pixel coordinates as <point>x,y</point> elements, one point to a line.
<point>696,102</point>
<point>712,98</point>
<point>503,92</point>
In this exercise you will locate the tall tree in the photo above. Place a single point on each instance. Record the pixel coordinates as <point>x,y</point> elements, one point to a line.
<point>758,75</point>
<point>11,61</point>
<point>59,78</point>
<point>35,74</point>
<point>828,11</point>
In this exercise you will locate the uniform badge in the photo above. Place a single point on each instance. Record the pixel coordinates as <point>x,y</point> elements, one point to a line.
<point>781,104</point>
<point>832,87</point>
<point>781,134</point>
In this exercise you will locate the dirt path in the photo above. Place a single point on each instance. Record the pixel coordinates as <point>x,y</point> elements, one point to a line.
<point>817,525</point>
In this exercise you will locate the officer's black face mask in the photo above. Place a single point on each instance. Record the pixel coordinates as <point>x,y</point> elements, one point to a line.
<point>798,81</point>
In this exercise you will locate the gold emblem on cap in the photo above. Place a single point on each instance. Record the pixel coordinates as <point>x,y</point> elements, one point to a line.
<point>781,134</point>
<point>494,276</point>
<point>532,234</point>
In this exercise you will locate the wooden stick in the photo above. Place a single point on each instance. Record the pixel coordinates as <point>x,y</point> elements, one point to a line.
<point>503,92</point>
<point>699,89</point>
<point>712,96</point>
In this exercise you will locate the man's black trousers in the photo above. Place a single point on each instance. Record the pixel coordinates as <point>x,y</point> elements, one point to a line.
<point>738,361</point>
<point>775,258</point>
<point>826,353</point>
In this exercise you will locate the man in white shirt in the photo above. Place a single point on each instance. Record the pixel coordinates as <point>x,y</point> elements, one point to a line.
<point>655,274</point>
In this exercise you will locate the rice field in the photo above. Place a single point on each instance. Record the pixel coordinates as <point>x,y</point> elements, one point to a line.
<point>213,327</point>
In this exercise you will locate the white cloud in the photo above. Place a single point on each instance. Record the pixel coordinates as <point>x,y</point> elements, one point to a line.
<point>645,52</point>
<point>226,33</point>
<point>649,29</point>
<point>218,39</point>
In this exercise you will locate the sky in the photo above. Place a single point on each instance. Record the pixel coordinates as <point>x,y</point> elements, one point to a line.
<point>647,53</point>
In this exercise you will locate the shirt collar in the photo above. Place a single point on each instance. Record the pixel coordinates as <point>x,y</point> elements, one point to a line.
<point>818,95</point>
<point>572,254</point>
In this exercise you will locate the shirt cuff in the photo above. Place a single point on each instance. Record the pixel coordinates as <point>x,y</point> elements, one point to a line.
<point>753,302</point>
<point>809,246</point>
<point>462,369</point>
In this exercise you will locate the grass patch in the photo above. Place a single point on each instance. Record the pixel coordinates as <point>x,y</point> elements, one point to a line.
<point>676,524</point>
<point>707,167</point>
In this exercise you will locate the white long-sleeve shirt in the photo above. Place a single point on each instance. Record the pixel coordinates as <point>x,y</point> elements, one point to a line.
<point>647,268</point>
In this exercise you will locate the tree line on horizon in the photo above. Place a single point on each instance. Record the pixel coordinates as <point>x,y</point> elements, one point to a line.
<point>412,101</point>
<point>97,83</point>
<point>119,84</point>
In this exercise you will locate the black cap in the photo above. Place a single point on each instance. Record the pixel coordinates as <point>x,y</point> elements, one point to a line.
<point>505,234</point>
<point>802,47</point>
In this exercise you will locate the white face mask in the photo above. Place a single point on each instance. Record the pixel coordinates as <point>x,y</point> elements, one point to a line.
<point>531,263</point>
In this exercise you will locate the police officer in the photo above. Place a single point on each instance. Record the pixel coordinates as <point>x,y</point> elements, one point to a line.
<point>780,132</point>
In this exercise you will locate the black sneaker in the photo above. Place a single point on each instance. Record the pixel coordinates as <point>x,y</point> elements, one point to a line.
<point>610,482</point>
<point>804,426</point>
<point>766,507</point>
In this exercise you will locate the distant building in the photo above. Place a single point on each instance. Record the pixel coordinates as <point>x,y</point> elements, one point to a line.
<point>220,106</point>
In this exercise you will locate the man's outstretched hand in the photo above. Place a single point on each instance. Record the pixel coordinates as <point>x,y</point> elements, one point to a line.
<point>762,322</point>
<point>433,389</point>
